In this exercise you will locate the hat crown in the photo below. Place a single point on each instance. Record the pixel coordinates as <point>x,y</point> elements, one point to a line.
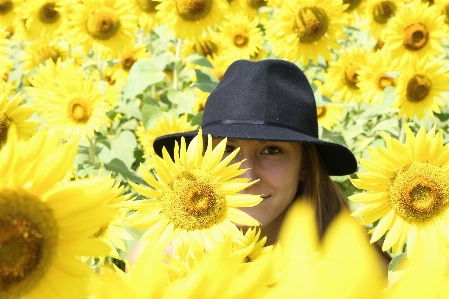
<point>268,92</point>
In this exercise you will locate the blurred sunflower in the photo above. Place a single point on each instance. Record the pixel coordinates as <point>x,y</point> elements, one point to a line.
<point>248,280</point>
<point>329,115</point>
<point>415,31</point>
<point>355,11</point>
<point>407,189</point>
<point>240,36</point>
<point>194,197</point>
<point>146,13</point>
<point>38,51</point>
<point>117,75</point>
<point>219,65</point>
<point>106,25</point>
<point>43,18</point>
<point>208,45</point>
<point>304,29</point>
<point>420,87</point>
<point>70,101</point>
<point>10,16</point>
<point>249,8</point>
<point>44,224</point>
<point>168,124</point>
<point>200,102</point>
<point>374,76</point>
<point>443,7</point>
<point>379,13</point>
<point>342,266</point>
<point>13,112</point>
<point>191,18</point>
<point>343,75</point>
<point>254,245</point>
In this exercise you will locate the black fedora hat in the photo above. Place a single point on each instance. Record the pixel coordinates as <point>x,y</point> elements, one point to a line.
<point>268,100</point>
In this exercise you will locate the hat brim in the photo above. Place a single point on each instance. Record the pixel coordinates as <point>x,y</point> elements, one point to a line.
<point>338,159</point>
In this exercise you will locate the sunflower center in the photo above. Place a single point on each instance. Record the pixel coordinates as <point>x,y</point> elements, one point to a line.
<point>353,4</point>
<point>48,14</point>
<point>383,11</point>
<point>311,24</point>
<point>194,200</point>
<point>256,4</point>
<point>205,47</point>
<point>385,81</point>
<point>193,10</point>
<point>5,7</point>
<point>321,111</point>
<point>48,52</point>
<point>351,76</point>
<point>79,110</point>
<point>28,240</point>
<point>416,36</point>
<point>103,23</point>
<point>418,88</point>
<point>148,6</point>
<point>420,191</point>
<point>240,39</point>
<point>5,122</point>
<point>127,62</point>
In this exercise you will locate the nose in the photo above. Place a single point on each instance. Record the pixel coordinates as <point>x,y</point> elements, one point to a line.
<point>250,165</point>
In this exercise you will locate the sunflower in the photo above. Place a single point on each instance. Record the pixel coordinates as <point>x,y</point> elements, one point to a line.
<point>343,75</point>
<point>443,7</point>
<point>304,29</point>
<point>329,115</point>
<point>219,65</point>
<point>38,51</point>
<point>415,31</point>
<point>255,246</point>
<point>146,13</point>
<point>195,197</point>
<point>106,25</point>
<point>209,45</point>
<point>343,265</point>
<point>69,101</point>
<point>13,112</point>
<point>407,189</point>
<point>379,13</point>
<point>200,102</point>
<point>190,18</point>
<point>376,75</point>
<point>44,224</point>
<point>118,74</point>
<point>241,37</point>
<point>420,87</point>
<point>250,8</point>
<point>163,126</point>
<point>10,16</point>
<point>43,18</point>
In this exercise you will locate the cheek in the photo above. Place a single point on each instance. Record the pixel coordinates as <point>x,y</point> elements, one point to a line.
<point>286,181</point>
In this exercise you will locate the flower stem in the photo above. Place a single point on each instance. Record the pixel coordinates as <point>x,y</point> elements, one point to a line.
<point>92,151</point>
<point>177,65</point>
<point>402,132</point>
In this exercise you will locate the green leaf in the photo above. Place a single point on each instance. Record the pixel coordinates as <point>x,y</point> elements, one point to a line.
<point>198,59</point>
<point>129,108</point>
<point>390,125</point>
<point>150,113</point>
<point>397,262</point>
<point>122,148</point>
<point>117,166</point>
<point>182,100</point>
<point>143,73</point>
<point>205,81</point>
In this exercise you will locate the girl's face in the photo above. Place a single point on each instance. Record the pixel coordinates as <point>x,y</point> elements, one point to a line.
<point>277,166</point>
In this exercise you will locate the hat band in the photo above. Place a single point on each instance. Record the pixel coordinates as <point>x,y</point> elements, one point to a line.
<point>256,122</point>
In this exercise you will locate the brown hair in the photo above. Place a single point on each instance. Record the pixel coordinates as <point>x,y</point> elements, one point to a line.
<point>326,197</point>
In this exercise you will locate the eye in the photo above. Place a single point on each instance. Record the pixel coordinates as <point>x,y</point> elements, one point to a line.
<point>229,148</point>
<point>271,150</point>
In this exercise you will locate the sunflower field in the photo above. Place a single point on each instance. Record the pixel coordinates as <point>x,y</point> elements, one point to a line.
<point>86,86</point>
